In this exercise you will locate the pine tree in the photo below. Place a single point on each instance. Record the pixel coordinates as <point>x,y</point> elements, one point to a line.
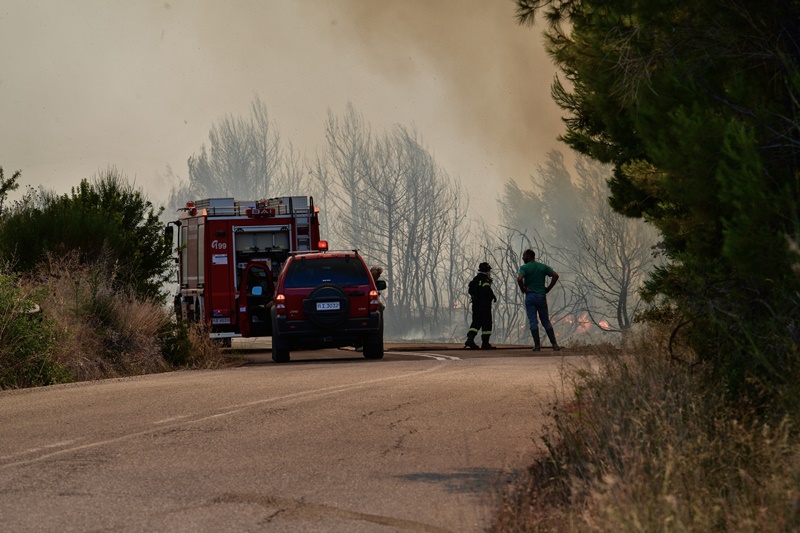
<point>695,104</point>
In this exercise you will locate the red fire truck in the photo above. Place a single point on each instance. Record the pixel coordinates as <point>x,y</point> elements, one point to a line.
<point>228,254</point>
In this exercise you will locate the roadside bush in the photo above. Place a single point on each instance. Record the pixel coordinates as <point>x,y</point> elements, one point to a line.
<point>646,444</point>
<point>26,340</point>
<point>189,345</point>
<point>106,330</point>
<point>94,262</point>
<point>176,346</point>
<point>103,222</point>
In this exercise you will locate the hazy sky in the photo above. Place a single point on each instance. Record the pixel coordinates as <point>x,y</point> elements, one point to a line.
<point>85,84</point>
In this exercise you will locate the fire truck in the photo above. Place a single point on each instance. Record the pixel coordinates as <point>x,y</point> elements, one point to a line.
<point>229,252</point>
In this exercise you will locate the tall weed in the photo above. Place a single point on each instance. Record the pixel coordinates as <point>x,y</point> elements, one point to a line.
<point>106,331</point>
<point>645,444</point>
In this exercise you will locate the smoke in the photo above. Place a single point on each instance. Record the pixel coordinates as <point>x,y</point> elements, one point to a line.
<point>493,77</point>
<point>90,83</point>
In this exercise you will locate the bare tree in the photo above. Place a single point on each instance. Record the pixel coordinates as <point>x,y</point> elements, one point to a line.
<point>389,199</point>
<point>292,179</point>
<point>608,258</point>
<point>611,261</point>
<point>552,206</point>
<point>602,257</point>
<point>321,185</point>
<point>337,169</point>
<point>242,159</point>
<point>504,253</point>
<point>265,144</point>
<point>410,201</point>
<point>453,234</point>
<point>243,156</point>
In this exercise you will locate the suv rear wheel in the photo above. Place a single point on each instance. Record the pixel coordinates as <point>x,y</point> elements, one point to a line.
<point>373,344</point>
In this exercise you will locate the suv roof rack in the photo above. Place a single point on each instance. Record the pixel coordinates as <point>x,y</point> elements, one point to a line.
<point>306,252</point>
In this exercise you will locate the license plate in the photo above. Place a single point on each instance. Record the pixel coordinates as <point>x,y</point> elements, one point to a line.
<point>328,306</point>
<point>220,320</point>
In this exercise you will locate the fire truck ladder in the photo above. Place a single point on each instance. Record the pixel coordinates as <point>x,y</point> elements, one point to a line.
<point>301,221</point>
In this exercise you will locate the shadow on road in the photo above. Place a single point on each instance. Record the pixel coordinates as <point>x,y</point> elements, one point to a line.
<point>297,360</point>
<point>474,481</point>
<point>258,352</point>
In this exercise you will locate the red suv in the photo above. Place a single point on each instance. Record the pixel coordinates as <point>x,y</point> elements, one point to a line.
<point>326,299</point>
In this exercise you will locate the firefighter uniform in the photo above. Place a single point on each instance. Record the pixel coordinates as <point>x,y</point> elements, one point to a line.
<point>480,289</point>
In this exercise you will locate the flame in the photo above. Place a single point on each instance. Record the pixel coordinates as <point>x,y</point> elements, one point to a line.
<point>584,323</point>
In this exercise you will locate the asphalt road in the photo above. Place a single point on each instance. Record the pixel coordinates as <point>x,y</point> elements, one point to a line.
<point>327,442</point>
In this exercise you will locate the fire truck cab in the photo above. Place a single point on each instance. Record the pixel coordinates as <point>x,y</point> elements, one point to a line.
<point>229,252</point>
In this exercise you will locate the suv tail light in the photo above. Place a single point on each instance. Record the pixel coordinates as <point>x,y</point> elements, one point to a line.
<point>280,304</point>
<point>374,302</point>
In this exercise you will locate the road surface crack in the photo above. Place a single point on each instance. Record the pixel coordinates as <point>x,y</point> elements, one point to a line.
<point>303,510</point>
<point>391,409</point>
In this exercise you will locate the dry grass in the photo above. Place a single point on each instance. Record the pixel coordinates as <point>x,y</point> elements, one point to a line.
<point>104,331</point>
<point>644,444</point>
<point>206,353</point>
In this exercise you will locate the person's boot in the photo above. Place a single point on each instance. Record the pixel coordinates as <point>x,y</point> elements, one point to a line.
<point>552,336</point>
<point>485,343</point>
<point>537,344</point>
<point>471,341</point>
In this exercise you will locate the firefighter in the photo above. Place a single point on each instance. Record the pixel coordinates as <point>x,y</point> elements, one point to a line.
<point>376,272</point>
<point>482,295</point>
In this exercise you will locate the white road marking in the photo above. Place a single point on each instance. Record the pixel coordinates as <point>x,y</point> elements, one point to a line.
<point>438,357</point>
<point>225,411</point>
<point>40,448</point>
<point>173,419</point>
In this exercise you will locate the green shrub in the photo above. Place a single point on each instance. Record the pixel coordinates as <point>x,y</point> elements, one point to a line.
<point>26,340</point>
<point>189,345</point>
<point>104,222</point>
<point>176,344</point>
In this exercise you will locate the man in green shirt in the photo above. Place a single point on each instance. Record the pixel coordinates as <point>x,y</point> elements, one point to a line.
<point>531,280</point>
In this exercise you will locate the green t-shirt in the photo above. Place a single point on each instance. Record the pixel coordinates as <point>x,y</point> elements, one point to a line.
<point>533,274</point>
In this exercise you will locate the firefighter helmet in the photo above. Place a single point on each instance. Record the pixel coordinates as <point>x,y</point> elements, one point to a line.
<point>484,267</point>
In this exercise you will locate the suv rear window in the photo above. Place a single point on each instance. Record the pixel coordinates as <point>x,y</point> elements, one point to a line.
<point>337,270</point>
